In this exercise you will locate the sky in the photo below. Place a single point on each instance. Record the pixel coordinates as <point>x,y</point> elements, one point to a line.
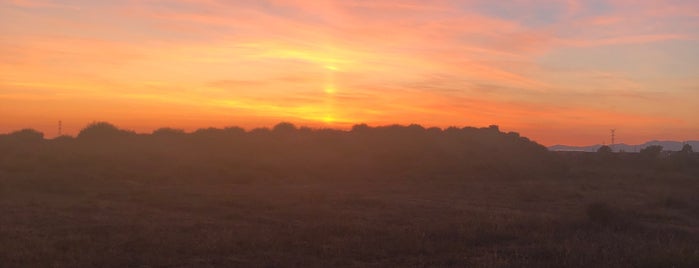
<point>558,72</point>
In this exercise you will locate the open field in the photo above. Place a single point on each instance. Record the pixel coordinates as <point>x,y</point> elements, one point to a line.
<point>113,214</point>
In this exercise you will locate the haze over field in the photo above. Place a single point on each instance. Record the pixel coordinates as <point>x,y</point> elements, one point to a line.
<point>559,72</point>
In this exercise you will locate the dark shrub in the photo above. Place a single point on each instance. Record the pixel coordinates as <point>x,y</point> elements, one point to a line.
<point>604,149</point>
<point>26,135</point>
<point>651,152</point>
<point>687,149</point>
<point>360,127</point>
<point>284,127</point>
<point>166,131</point>
<point>102,130</point>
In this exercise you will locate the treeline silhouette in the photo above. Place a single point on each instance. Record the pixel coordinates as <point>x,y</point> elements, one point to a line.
<point>284,151</point>
<point>651,158</point>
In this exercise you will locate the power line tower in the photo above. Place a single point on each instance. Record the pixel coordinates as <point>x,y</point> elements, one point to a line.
<point>60,128</point>
<point>613,131</point>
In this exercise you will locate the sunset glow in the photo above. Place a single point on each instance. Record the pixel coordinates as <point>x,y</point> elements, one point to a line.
<point>559,72</point>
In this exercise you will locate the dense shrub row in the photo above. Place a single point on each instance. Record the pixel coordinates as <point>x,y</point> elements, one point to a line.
<point>286,151</point>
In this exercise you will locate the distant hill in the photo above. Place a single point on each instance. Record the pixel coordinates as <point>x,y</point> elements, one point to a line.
<point>667,145</point>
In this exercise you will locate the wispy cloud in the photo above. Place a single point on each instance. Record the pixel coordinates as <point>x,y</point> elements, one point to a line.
<point>522,64</point>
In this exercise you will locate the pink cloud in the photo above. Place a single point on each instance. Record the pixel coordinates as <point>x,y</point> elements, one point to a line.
<point>624,40</point>
<point>376,61</point>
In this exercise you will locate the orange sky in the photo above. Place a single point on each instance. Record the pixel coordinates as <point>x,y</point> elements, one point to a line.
<point>559,72</point>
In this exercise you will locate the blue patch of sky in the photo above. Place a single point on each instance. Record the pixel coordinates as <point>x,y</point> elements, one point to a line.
<point>526,14</point>
<point>291,13</point>
<point>543,15</point>
<point>596,8</point>
<point>669,58</point>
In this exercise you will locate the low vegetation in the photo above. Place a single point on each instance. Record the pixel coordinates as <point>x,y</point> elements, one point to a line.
<point>395,196</point>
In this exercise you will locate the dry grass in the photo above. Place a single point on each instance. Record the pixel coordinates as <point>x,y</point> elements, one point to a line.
<point>372,197</point>
<point>52,220</point>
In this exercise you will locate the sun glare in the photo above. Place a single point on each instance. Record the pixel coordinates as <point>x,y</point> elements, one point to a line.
<point>329,119</point>
<point>330,89</point>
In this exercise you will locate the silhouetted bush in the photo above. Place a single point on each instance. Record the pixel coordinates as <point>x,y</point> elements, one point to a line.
<point>102,130</point>
<point>687,149</point>
<point>284,128</point>
<point>360,128</point>
<point>605,156</point>
<point>234,130</point>
<point>207,132</point>
<point>604,150</point>
<point>651,152</point>
<point>25,136</point>
<point>169,132</point>
<point>392,151</point>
